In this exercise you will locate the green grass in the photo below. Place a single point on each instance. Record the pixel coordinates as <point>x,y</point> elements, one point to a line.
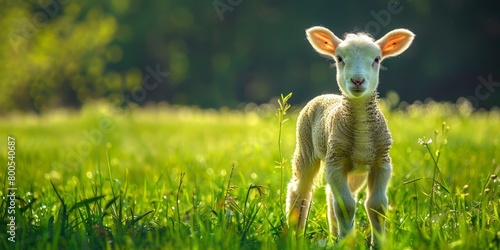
<point>183,178</point>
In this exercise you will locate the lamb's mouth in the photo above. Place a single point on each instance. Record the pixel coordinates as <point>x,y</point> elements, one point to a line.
<point>357,89</point>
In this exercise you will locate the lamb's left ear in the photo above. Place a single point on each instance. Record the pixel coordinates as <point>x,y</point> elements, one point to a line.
<point>395,42</point>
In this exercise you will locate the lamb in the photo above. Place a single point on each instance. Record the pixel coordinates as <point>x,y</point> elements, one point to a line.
<point>347,132</point>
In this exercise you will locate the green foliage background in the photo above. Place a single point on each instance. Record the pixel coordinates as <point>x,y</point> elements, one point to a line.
<point>65,53</point>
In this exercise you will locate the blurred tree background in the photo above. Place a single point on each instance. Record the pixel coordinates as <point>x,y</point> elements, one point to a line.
<point>63,53</point>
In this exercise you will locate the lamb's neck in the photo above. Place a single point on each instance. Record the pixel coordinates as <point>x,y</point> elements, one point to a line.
<point>361,111</point>
<point>361,132</point>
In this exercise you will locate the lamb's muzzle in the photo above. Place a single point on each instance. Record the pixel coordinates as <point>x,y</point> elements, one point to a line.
<point>357,82</point>
<point>347,132</point>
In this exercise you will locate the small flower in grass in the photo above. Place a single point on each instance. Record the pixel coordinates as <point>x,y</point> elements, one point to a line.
<point>422,141</point>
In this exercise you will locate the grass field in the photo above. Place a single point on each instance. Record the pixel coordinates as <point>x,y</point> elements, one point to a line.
<point>184,178</point>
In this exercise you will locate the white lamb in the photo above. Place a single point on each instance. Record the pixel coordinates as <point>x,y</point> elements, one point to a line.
<point>348,132</point>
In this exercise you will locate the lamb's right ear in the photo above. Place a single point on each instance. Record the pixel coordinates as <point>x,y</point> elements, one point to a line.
<point>323,40</point>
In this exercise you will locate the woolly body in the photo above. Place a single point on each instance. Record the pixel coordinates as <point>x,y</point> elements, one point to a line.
<point>361,133</point>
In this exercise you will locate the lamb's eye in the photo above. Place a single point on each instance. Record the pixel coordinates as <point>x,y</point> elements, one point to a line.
<point>339,59</point>
<point>377,59</point>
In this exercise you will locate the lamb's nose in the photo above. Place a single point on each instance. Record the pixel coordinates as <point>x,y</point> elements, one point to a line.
<point>357,81</point>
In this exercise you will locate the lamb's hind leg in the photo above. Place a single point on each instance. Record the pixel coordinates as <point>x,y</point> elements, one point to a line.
<point>300,190</point>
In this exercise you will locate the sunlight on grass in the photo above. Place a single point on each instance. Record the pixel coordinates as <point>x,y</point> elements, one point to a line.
<point>177,177</point>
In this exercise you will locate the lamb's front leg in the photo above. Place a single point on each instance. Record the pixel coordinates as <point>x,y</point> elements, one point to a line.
<point>343,204</point>
<point>377,201</point>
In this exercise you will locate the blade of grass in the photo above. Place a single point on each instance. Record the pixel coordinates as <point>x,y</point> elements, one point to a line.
<point>84,202</point>
<point>177,201</point>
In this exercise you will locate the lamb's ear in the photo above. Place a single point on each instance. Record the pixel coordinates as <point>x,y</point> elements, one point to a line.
<point>395,42</point>
<point>323,40</point>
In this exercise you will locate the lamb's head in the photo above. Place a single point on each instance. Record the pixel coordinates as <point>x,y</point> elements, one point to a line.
<point>358,56</point>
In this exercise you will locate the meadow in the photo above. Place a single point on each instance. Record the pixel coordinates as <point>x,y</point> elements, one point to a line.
<point>167,177</point>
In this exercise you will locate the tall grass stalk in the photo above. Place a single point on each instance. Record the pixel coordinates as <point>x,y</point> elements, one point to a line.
<point>282,109</point>
<point>435,159</point>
